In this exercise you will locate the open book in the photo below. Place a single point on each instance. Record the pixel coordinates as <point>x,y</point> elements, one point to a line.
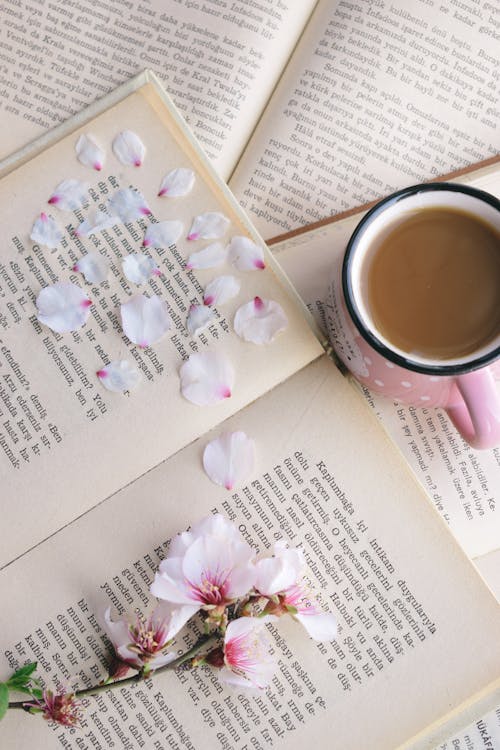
<point>95,483</point>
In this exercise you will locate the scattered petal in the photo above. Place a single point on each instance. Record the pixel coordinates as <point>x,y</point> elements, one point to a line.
<point>144,319</point>
<point>163,234</point>
<point>96,222</point>
<point>129,148</point>
<point>63,306</point>
<point>177,183</point>
<point>260,321</point>
<point>199,317</point>
<point>210,257</point>
<point>245,254</point>
<point>128,204</point>
<point>220,290</point>
<point>89,153</point>
<point>94,267</point>
<point>206,378</point>
<point>209,226</point>
<point>119,376</point>
<point>139,267</point>
<point>70,195</point>
<point>46,232</point>
<point>229,459</point>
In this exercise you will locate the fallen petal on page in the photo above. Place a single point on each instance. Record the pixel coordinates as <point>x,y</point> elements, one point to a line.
<point>144,319</point>
<point>163,234</point>
<point>128,204</point>
<point>199,317</point>
<point>206,378</point>
<point>139,267</point>
<point>89,153</point>
<point>63,306</point>
<point>119,376</point>
<point>129,149</point>
<point>220,290</point>
<point>96,222</point>
<point>46,232</point>
<point>95,268</point>
<point>177,183</point>
<point>260,321</point>
<point>245,254</point>
<point>209,226</point>
<point>70,195</point>
<point>210,257</point>
<point>229,459</point>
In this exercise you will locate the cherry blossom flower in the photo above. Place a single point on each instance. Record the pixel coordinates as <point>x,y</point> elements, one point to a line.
<point>210,256</point>
<point>206,378</point>
<point>163,234</point>
<point>63,306</point>
<point>207,568</point>
<point>245,254</point>
<point>89,153</point>
<point>229,459</point>
<point>139,267</point>
<point>96,222</point>
<point>129,148</point>
<point>119,376</point>
<point>248,661</point>
<point>209,226</point>
<point>177,183</point>
<point>61,708</point>
<point>128,204</point>
<point>70,195</point>
<point>260,321</point>
<point>145,319</point>
<point>46,232</point>
<point>199,317</point>
<point>220,290</point>
<point>94,266</point>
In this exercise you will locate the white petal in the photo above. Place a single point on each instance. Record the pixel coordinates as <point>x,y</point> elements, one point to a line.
<point>45,231</point>
<point>94,267</point>
<point>229,459</point>
<point>320,626</point>
<point>70,195</point>
<point>119,376</point>
<point>128,204</point>
<point>199,317</point>
<point>129,148</point>
<point>220,290</point>
<point>63,306</point>
<point>89,153</point>
<point>211,256</point>
<point>139,267</point>
<point>177,183</point>
<point>145,319</point>
<point>206,378</point>
<point>163,234</point>
<point>260,321</point>
<point>209,226</point>
<point>95,222</point>
<point>245,254</point>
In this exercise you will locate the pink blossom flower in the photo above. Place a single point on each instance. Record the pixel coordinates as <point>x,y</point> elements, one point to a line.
<point>62,708</point>
<point>207,568</point>
<point>248,661</point>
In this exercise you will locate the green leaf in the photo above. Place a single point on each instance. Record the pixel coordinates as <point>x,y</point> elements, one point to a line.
<point>4,699</point>
<point>22,676</point>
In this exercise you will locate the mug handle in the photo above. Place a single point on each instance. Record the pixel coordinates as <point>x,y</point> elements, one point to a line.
<point>474,408</point>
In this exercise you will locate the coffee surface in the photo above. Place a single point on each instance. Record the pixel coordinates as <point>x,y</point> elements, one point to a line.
<point>433,284</point>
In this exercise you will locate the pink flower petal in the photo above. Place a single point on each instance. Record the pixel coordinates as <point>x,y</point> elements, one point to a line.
<point>46,232</point>
<point>63,306</point>
<point>94,267</point>
<point>177,183</point>
<point>119,376</point>
<point>210,257</point>
<point>144,319</point>
<point>89,153</point>
<point>163,234</point>
<point>199,317</point>
<point>206,378</point>
<point>248,658</point>
<point>128,204</point>
<point>139,267</point>
<point>245,254</point>
<point>220,290</point>
<point>260,321</point>
<point>129,148</point>
<point>322,626</point>
<point>96,222</point>
<point>209,226</point>
<point>229,459</point>
<point>70,195</point>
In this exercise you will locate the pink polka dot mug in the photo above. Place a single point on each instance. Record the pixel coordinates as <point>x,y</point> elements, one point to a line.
<point>465,386</point>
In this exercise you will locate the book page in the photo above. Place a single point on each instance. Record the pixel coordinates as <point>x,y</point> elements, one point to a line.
<point>464,484</point>
<point>57,418</point>
<point>377,96</point>
<point>484,733</point>
<point>219,60</point>
<point>405,596</point>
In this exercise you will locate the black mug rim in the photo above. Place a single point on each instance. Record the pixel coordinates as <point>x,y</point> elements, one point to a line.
<point>370,338</point>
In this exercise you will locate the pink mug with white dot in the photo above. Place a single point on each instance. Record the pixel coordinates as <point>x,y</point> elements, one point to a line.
<point>466,385</point>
